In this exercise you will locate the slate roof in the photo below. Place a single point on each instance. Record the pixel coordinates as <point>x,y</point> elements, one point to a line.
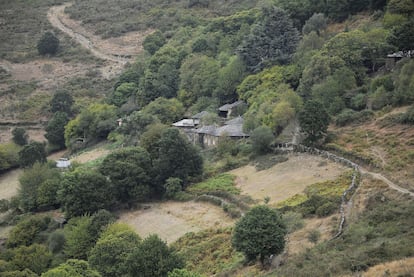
<point>185,123</point>
<point>234,130</point>
<point>235,121</point>
<point>200,115</point>
<point>227,107</point>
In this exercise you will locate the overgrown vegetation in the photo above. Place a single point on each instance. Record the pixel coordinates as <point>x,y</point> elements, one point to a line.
<point>383,232</point>
<point>202,55</point>
<point>321,199</point>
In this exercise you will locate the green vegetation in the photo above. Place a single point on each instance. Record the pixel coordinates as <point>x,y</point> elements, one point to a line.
<point>208,252</point>
<point>383,232</point>
<point>222,182</point>
<point>48,44</point>
<point>261,232</point>
<point>319,199</point>
<point>204,54</point>
<point>25,27</point>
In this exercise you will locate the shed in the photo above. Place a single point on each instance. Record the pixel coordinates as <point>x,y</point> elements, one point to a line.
<point>63,163</point>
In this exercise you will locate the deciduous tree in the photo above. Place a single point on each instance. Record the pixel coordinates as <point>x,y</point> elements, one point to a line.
<point>261,232</point>
<point>153,258</point>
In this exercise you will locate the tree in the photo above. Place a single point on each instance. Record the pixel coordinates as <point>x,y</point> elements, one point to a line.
<point>48,44</point>
<point>161,78</point>
<point>314,121</point>
<point>55,129</point>
<point>198,77</point>
<point>27,230</point>
<point>122,93</point>
<point>32,153</point>
<point>85,191</point>
<point>20,137</point>
<point>81,233</point>
<point>272,41</point>
<point>318,22</point>
<point>130,172</point>
<point>109,255</point>
<point>62,101</point>
<point>261,232</point>
<point>167,110</point>
<point>153,258</point>
<point>402,36</point>
<point>31,186</point>
<point>229,77</point>
<point>72,268</point>
<point>93,123</point>
<point>79,241</point>
<point>35,257</point>
<point>177,157</point>
<point>261,138</point>
<point>9,156</point>
<point>153,42</point>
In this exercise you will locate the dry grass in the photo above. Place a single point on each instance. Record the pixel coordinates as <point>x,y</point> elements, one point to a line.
<point>390,146</point>
<point>285,179</point>
<point>9,183</point>
<point>171,220</point>
<point>298,241</point>
<point>91,155</point>
<point>404,267</point>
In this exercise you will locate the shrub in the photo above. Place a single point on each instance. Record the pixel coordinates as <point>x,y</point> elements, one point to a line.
<point>261,138</point>
<point>25,232</point>
<point>48,44</point>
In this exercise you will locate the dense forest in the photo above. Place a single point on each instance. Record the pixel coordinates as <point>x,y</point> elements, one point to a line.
<point>326,66</point>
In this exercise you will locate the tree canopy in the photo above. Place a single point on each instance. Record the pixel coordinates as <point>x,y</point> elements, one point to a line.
<point>272,41</point>
<point>261,232</point>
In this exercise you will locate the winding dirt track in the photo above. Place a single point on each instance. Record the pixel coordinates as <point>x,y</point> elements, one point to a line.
<point>387,181</point>
<point>56,15</point>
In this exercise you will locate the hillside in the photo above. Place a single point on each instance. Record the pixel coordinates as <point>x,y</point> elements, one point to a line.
<point>206,138</point>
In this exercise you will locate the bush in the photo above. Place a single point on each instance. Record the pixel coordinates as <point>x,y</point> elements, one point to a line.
<point>408,117</point>
<point>56,241</point>
<point>48,44</point>
<point>20,136</point>
<point>261,138</point>
<point>26,231</point>
<point>172,186</point>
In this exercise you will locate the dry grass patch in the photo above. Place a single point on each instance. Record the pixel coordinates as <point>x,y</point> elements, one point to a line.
<point>298,240</point>
<point>286,179</point>
<point>171,220</point>
<point>9,183</point>
<point>404,267</point>
<point>91,155</point>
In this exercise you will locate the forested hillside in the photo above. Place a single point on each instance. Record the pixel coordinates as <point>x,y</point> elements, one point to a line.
<point>175,95</point>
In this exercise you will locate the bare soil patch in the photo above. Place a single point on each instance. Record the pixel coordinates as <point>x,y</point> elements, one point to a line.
<point>171,220</point>
<point>286,179</point>
<point>9,183</point>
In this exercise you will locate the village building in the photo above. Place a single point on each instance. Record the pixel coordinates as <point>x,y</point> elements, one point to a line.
<point>210,135</point>
<point>227,110</point>
<point>393,58</point>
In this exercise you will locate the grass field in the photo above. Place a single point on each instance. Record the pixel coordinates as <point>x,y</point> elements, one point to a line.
<point>171,220</point>
<point>287,178</point>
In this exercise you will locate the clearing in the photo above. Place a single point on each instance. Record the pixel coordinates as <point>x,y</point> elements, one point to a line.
<point>9,183</point>
<point>287,178</point>
<point>171,220</point>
